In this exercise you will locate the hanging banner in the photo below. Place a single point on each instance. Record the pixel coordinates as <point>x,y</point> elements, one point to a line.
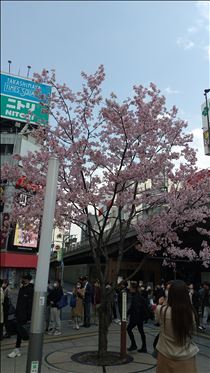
<point>205,110</point>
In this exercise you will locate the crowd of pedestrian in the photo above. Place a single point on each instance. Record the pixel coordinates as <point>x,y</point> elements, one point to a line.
<point>164,304</point>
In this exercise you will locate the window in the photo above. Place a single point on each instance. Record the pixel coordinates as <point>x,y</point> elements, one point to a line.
<point>6,149</point>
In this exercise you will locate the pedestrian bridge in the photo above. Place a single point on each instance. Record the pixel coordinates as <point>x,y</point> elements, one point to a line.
<point>83,247</point>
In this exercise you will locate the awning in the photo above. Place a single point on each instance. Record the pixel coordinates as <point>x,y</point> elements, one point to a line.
<point>14,260</point>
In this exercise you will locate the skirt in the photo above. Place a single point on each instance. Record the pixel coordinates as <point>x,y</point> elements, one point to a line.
<point>166,365</point>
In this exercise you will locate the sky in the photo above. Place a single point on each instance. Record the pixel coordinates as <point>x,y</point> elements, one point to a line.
<point>138,42</point>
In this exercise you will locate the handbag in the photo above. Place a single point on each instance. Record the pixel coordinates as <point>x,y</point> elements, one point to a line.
<point>156,341</point>
<point>73,301</point>
<point>63,302</point>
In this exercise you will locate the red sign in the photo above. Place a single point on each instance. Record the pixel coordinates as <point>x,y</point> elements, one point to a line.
<point>11,260</point>
<point>24,183</point>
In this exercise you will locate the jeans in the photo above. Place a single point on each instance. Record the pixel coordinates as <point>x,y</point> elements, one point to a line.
<point>139,325</point>
<point>87,313</point>
<point>47,317</point>
<point>55,319</point>
<point>22,333</point>
<point>1,330</point>
<point>206,313</point>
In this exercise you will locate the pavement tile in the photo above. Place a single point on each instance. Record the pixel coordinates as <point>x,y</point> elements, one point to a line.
<point>129,368</point>
<point>73,367</point>
<point>58,357</point>
<point>16,365</point>
<point>143,358</point>
<point>58,352</point>
<point>8,366</point>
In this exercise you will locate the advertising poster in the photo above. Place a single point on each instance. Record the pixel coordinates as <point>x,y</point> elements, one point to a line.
<point>25,237</point>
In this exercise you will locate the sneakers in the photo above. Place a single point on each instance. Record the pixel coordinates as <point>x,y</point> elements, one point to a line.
<point>14,353</point>
<point>51,332</point>
<point>116,321</point>
<point>202,328</point>
<point>6,335</point>
<point>57,333</point>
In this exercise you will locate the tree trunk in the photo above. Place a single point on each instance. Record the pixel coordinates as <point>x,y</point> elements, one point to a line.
<point>105,316</point>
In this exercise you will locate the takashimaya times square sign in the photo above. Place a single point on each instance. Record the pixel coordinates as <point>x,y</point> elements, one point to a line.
<point>20,99</point>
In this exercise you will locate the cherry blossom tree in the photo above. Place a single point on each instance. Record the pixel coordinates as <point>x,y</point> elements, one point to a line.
<point>123,165</point>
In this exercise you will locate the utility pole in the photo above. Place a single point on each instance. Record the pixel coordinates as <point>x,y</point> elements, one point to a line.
<point>34,358</point>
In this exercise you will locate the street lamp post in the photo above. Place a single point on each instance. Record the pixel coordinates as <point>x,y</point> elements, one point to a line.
<point>34,358</point>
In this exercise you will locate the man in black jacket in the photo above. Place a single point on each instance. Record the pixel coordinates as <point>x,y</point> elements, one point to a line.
<point>55,314</point>
<point>23,313</point>
<point>138,314</point>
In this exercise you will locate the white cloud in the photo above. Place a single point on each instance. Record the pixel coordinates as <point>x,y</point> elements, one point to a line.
<point>171,91</point>
<point>192,30</point>
<point>196,33</point>
<point>203,9</point>
<point>185,43</point>
<point>207,48</point>
<point>203,160</point>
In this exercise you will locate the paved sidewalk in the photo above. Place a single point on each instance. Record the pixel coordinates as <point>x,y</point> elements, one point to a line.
<point>57,352</point>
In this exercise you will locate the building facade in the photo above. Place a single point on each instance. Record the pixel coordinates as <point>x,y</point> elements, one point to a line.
<point>21,111</point>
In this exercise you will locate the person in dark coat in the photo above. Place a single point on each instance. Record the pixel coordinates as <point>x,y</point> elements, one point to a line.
<point>88,298</point>
<point>195,300</point>
<point>6,306</point>
<point>47,310</point>
<point>23,313</point>
<point>138,314</point>
<point>122,286</point>
<point>205,304</point>
<point>1,310</point>
<point>55,315</point>
<point>158,293</point>
<point>96,299</point>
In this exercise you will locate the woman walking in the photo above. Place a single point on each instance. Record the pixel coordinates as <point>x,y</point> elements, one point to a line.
<point>177,318</point>
<point>78,310</point>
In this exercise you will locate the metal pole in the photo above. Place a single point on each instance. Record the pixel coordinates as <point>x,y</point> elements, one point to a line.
<point>9,62</point>
<point>34,358</point>
<point>123,349</point>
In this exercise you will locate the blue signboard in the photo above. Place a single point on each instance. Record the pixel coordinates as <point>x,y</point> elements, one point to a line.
<point>22,88</point>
